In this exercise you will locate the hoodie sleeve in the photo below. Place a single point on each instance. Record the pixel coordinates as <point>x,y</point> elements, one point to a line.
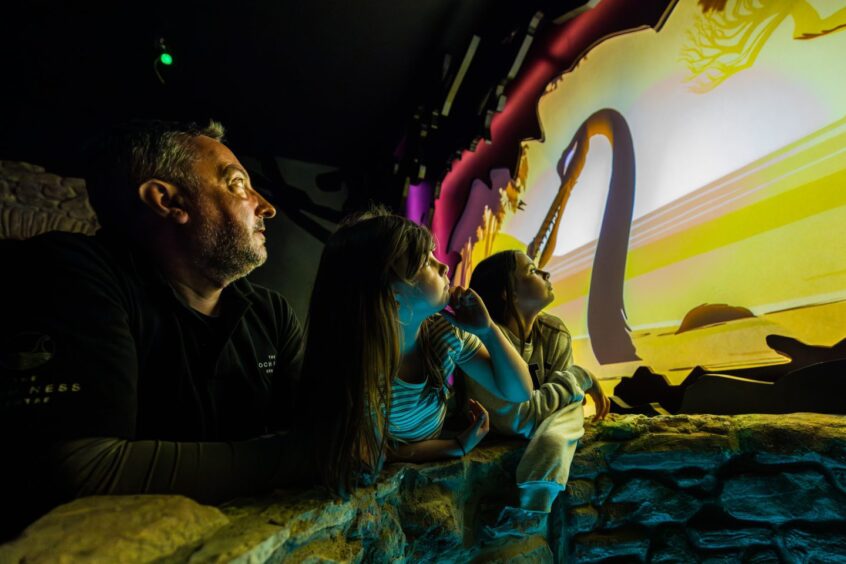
<point>558,349</point>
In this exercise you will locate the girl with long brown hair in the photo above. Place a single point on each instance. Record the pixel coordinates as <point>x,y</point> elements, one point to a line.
<point>380,346</point>
<point>515,292</point>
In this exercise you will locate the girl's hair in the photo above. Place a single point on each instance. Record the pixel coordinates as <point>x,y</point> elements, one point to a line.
<point>352,349</point>
<point>494,279</point>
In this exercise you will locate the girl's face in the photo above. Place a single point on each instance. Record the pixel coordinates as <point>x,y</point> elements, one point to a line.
<point>532,289</point>
<point>428,291</point>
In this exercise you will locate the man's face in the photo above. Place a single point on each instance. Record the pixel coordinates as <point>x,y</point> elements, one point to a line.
<point>227,215</point>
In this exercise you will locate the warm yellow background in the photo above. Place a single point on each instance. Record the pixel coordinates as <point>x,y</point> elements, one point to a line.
<point>759,156</point>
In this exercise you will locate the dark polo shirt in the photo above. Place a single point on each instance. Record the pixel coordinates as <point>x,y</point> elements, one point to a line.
<point>110,379</point>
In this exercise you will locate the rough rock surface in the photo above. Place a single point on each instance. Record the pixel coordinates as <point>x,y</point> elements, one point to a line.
<point>750,488</point>
<point>115,529</point>
<point>757,488</point>
<point>33,201</point>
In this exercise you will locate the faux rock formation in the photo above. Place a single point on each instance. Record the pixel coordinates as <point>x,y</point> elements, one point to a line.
<point>751,488</point>
<point>115,529</point>
<point>33,201</point>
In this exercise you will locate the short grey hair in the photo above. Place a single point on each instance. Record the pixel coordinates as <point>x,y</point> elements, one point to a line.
<point>170,156</point>
<point>132,154</point>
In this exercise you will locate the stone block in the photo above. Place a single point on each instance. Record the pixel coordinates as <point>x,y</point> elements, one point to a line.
<point>792,434</point>
<point>798,457</point>
<point>531,550</point>
<point>581,519</point>
<point>604,487</point>
<point>616,428</point>
<point>591,459</point>
<point>694,478</point>
<point>821,545</point>
<point>430,511</point>
<point>670,546</point>
<point>620,543</point>
<point>668,452</point>
<point>250,536</point>
<point>578,492</point>
<point>650,503</point>
<point>731,538</point>
<point>136,528</point>
<point>323,550</point>
<point>783,497</point>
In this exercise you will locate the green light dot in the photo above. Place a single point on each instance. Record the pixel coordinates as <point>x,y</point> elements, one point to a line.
<point>166,59</point>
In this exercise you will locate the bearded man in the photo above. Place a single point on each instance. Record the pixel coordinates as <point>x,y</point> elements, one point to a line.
<point>140,360</point>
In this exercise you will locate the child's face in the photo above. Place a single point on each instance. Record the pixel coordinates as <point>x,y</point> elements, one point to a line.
<point>532,289</point>
<point>428,291</point>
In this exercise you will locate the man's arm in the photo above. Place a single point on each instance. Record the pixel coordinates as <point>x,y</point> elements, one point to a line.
<point>209,472</point>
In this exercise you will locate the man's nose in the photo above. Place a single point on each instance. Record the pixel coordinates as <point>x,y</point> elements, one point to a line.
<point>264,208</point>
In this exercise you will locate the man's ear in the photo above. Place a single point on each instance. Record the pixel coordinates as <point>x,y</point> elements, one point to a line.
<point>164,199</point>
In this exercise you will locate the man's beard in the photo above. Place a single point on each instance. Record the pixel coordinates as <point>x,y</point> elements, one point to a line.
<point>228,250</point>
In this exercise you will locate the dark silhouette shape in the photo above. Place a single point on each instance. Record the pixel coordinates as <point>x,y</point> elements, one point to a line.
<point>820,388</point>
<point>645,387</point>
<point>292,201</point>
<point>711,314</point>
<point>801,354</point>
<point>610,336</point>
<point>814,380</point>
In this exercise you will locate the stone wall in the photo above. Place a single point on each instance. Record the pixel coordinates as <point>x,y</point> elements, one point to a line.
<point>33,201</point>
<point>756,488</point>
<point>753,488</point>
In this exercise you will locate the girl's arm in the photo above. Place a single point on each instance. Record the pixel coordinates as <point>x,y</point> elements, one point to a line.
<point>426,451</point>
<point>497,366</point>
<point>438,449</point>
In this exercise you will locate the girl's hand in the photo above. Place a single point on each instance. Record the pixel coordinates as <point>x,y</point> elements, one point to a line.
<point>603,404</point>
<point>468,311</point>
<point>479,425</point>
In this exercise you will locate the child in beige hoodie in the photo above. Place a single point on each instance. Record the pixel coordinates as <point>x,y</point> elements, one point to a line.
<point>515,292</point>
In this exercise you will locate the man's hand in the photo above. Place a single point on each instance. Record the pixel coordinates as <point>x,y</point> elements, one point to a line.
<point>479,425</point>
<point>603,404</point>
<point>468,312</point>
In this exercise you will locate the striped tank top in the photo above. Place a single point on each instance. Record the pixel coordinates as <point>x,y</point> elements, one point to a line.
<point>418,410</point>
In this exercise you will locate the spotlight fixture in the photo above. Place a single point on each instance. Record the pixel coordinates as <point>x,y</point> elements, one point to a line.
<point>163,57</point>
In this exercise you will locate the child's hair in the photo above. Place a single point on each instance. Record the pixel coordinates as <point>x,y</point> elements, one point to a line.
<point>352,349</point>
<point>494,280</point>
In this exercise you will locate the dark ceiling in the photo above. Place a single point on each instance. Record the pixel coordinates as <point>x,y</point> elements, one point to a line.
<point>327,81</point>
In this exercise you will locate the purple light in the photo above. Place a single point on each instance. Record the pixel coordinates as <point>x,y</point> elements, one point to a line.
<point>418,202</point>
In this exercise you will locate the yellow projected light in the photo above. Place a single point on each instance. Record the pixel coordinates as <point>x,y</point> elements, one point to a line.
<point>689,192</point>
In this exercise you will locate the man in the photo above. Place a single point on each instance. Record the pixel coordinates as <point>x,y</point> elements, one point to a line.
<point>140,360</point>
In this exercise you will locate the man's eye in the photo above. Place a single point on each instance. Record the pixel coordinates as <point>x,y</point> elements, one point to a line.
<point>237,182</point>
